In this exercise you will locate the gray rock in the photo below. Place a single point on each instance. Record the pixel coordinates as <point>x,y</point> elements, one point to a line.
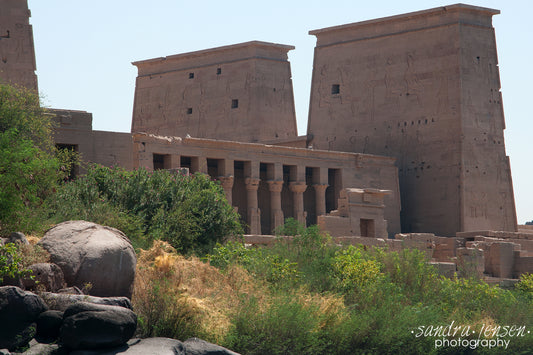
<point>71,290</point>
<point>152,346</point>
<point>89,253</point>
<point>61,301</point>
<point>92,326</point>
<point>195,346</point>
<point>46,275</point>
<point>37,348</point>
<point>18,312</point>
<point>17,237</point>
<point>48,325</point>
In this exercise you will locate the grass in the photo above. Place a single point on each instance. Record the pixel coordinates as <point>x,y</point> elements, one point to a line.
<point>309,296</point>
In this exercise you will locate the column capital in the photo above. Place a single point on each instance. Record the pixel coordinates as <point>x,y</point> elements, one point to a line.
<point>252,183</point>
<point>297,186</point>
<point>275,185</point>
<point>226,181</point>
<point>320,187</point>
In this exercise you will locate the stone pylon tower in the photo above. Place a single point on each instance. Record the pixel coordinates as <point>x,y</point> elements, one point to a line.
<point>241,92</point>
<point>17,54</point>
<point>423,87</point>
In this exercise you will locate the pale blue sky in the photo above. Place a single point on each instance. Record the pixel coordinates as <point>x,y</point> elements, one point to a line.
<point>84,51</point>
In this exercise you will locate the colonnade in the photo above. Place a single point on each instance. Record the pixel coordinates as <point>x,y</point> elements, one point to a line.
<point>296,179</point>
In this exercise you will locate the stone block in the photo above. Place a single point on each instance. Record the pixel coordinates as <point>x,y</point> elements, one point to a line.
<point>446,269</point>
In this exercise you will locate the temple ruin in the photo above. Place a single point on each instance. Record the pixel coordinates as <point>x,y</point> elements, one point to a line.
<point>405,133</point>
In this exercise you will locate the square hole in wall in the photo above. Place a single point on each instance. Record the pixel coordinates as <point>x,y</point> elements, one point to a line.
<point>234,103</point>
<point>189,111</point>
<point>335,89</point>
<point>191,75</point>
<point>219,71</point>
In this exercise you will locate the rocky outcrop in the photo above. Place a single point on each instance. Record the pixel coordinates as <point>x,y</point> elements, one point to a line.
<point>61,301</point>
<point>48,325</point>
<point>46,276</point>
<point>84,328</point>
<point>91,254</point>
<point>19,311</point>
<point>91,326</point>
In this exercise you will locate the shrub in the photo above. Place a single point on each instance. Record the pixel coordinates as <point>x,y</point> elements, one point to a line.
<point>289,324</point>
<point>352,271</point>
<point>273,268</point>
<point>525,284</point>
<point>190,212</point>
<point>30,166</point>
<point>11,265</point>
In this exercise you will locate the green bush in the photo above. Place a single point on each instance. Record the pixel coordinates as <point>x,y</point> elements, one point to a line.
<point>288,325</point>
<point>11,263</point>
<point>385,295</point>
<point>273,268</point>
<point>525,284</point>
<point>190,212</point>
<point>30,166</point>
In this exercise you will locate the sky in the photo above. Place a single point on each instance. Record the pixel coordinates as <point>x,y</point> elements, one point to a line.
<point>84,51</point>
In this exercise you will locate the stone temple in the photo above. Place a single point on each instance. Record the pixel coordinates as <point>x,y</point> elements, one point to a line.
<point>405,132</point>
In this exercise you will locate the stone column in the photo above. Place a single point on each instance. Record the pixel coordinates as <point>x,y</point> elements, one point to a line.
<point>254,214</point>
<point>227,185</point>
<point>199,164</point>
<point>298,188</point>
<point>320,190</point>
<point>276,213</point>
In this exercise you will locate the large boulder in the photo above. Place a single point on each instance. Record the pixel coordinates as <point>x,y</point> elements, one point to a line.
<point>92,326</point>
<point>46,276</point>
<point>91,254</point>
<point>19,311</point>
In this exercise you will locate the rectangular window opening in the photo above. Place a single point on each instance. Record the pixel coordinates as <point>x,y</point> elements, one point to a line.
<point>234,103</point>
<point>367,228</point>
<point>189,111</point>
<point>335,89</point>
<point>219,71</point>
<point>191,75</point>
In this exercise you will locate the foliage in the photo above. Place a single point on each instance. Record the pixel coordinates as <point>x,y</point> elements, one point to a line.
<point>525,284</point>
<point>382,295</point>
<point>352,271</point>
<point>273,268</point>
<point>11,263</point>
<point>30,166</point>
<point>190,212</point>
<point>160,301</point>
<point>290,324</point>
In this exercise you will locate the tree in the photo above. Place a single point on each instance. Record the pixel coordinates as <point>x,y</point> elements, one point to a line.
<point>30,165</point>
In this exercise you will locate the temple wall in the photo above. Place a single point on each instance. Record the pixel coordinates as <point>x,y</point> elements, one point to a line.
<point>270,183</point>
<point>74,131</point>
<point>17,53</point>
<point>412,87</point>
<point>241,93</point>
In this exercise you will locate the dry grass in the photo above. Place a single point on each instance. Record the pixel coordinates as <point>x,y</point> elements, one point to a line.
<point>202,293</point>
<point>33,253</point>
